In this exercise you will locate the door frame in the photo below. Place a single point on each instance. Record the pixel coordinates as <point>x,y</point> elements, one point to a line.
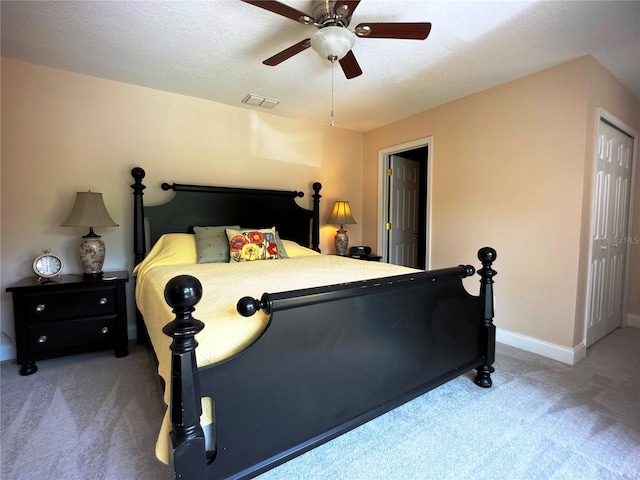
<point>620,125</point>
<point>383,193</point>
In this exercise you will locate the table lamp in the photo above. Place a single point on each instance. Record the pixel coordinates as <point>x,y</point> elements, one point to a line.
<point>341,214</point>
<point>90,211</point>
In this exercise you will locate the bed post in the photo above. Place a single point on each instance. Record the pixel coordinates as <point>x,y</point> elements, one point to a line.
<point>315,230</point>
<point>187,437</point>
<point>487,256</point>
<point>139,242</point>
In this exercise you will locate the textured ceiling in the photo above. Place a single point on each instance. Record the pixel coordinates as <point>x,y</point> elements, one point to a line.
<point>214,50</point>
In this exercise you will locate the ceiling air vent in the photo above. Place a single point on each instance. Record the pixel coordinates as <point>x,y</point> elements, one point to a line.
<point>258,101</point>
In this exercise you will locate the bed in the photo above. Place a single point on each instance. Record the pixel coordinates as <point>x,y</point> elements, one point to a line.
<point>253,379</point>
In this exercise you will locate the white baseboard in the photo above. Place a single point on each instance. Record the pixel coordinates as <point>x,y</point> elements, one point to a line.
<point>530,344</point>
<point>7,352</point>
<point>550,350</point>
<point>633,320</point>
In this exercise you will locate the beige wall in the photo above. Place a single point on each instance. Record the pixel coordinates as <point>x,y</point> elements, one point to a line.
<point>63,132</point>
<point>607,93</point>
<point>509,172</point>
<point>512,169</point>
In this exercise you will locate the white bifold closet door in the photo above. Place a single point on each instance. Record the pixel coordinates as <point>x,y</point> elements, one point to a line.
<point>610,231</point>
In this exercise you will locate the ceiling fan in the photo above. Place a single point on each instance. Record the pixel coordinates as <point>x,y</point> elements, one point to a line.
<point>334,40</point>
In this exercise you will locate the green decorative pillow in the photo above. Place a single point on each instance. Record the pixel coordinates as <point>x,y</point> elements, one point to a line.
<point>212,244</point>
<point>252,244</point>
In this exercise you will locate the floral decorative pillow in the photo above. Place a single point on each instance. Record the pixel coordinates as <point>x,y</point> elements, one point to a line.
<point>252,244</point>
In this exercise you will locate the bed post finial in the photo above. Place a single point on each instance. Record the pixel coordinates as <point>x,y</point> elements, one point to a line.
<point>487,256</point>
<point>315,231</point>
<point>247,306</point>
<point>182,293</point>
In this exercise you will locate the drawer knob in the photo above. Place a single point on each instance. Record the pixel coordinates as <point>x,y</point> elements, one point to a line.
<point>103,301</point>
<point>42,339</point>
<point>40,307</point>
<point>104,330</point>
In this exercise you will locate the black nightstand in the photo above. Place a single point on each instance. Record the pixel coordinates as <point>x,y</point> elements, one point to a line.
<point>368,258</point>
<point>67,316</point>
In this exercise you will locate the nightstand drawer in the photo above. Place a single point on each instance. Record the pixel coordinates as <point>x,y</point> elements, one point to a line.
<point>45,307</point>
<point>72,333</point>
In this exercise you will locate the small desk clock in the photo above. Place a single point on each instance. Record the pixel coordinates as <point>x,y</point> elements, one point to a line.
<point>47,266</point>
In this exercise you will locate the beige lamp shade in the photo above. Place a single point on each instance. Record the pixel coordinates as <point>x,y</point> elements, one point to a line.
<point>341,214</point>
<point>90,211</point>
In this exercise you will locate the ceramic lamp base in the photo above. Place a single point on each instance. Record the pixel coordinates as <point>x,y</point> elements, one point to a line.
<point>92,253</point>
<point>342,242</point>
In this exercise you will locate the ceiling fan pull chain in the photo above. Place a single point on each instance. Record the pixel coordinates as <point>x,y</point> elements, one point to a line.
<point>333,68</point>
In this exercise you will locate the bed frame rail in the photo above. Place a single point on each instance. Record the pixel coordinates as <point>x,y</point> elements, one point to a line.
<point>315,374</point>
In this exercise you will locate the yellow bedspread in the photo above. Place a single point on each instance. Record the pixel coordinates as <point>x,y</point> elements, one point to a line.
<point>226,332</point>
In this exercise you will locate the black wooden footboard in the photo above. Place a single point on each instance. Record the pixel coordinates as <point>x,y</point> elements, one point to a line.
<point>331,359</point>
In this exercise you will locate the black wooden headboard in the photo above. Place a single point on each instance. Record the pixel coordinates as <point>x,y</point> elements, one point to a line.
<point>198,205</point>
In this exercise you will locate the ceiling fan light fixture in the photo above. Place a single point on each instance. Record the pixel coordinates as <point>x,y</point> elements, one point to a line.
<point>333,43</point>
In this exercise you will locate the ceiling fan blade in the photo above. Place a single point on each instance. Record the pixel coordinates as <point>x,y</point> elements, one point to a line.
<point>405,31</point>
<point>350,66</point>
<point>287,53</point>
<point>282,9</point>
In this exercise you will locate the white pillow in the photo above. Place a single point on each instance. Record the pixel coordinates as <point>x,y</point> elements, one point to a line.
<point>295,250</point>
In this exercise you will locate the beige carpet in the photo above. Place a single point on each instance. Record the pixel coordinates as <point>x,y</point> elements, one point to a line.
<point>95,417</point>
<point>83,417</point>
<point>540,420</point>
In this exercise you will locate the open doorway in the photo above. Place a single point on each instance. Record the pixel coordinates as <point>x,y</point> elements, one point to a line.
<point>404,203</point>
